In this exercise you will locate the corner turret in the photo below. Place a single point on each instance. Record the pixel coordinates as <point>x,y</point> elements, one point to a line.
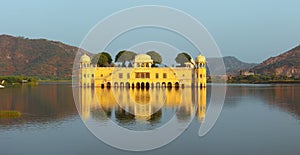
<point>85,61</point>
<point>200,71</point>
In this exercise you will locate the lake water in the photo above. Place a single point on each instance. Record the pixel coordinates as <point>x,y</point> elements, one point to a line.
<point>256,119</point>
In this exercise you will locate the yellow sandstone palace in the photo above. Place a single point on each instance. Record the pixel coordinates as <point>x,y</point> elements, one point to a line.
<point>142,75</point>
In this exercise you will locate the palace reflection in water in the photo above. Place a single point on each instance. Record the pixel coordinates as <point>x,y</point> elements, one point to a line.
<point>141,105</point>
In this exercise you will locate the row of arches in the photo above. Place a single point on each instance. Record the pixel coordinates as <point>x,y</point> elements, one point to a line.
<point>143,85</point>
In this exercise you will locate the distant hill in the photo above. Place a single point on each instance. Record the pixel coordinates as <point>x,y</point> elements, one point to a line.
<point>286,64</point>
<point>232,64</point>
<point>52,59</point>
<point>35,57</point>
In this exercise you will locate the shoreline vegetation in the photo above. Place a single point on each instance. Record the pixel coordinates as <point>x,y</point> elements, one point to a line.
<point>262,79</point>
<point>266,82</point>
<point>17,81</point>
<point>55,81</point>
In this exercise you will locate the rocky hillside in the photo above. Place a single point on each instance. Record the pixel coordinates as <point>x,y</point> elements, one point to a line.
<point>286,64</point>
<point>232,64</point>
<point>51,59</point>
<point>35,57</point>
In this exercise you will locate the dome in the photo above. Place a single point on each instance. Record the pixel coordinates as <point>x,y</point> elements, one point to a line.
<point>85,58</point>
<point>143,58</point>
<point>200,59</point>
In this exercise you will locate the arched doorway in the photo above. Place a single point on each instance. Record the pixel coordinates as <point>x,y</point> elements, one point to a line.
<point>122,84</point>
<point>163,85</point>
<point>169,85</point>
<point>132,85</point>
<point>176,85</point>
<point>138,85</point>
<point>157,84</point>
<point>142,85</point>
<point>147,85</point>
<point>102,85</point>
<point>108,85</point>
<point>127,85</point>
<point>116,84</point>
<point>152,85</point>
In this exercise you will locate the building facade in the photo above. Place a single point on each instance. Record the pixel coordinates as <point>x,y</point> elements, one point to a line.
<point>142,75</point>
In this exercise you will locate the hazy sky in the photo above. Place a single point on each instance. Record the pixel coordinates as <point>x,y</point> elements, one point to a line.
<point>250,30</point>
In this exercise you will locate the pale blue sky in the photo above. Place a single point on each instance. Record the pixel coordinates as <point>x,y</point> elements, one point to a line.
<point>250,30</point>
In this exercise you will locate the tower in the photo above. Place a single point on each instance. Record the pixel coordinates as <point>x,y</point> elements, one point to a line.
<point>200,71</point>
<point>85,61</point>
<point>86,74</point>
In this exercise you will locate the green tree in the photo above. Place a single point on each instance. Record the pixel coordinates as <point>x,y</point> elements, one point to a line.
<point>124,56</point>
<point>100,59</point>
<point>157,59</point>
<point>104,61</point>
<point>108,57</point>
<point>181,58</point>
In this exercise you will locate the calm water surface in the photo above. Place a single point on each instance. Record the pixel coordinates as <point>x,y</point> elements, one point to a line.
<point>256,119</point>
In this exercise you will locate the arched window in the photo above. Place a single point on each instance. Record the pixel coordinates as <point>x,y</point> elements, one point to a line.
<point>152,85</point>
<point>142,85</point>
<point>147,85</point>
<point>108,85</point>
<point>169,85</point>
<point>157,84</point>
<point>176,85</point>
<point>127,85</point>
<point>138,85</point>
<point>163,85</point>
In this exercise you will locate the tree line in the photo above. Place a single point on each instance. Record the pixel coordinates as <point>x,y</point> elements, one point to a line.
<point>104,59</point>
